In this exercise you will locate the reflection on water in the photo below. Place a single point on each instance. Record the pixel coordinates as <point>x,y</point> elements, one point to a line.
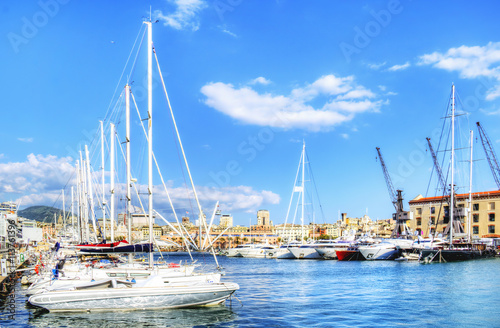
<point>311,293</point>
<point>205,316</point>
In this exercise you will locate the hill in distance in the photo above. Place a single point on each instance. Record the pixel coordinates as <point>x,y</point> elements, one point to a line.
<point>40,213</point>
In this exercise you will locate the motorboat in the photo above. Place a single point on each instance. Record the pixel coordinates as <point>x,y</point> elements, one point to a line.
<point>115,294</point>
<point>381,251</point>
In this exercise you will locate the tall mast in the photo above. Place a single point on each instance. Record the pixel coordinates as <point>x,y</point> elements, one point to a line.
<point>303,177</point>
<point>150,137</point>
<point>64,214</point>
<point>102,182</point>
<point>72,216</point>
<point>112,173</point>
<point>452,189</point>
<point>79,200</point>
<point>127,140</point>
<point>89,190</point>
<point>469,226</point>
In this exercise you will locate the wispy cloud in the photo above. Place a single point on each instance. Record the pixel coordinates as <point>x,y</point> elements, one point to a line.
<point>260,80</point>
<point>229,32</point>
<point>340,99</point>
<point>345,135</point>
<point>25,139</point>
<point>399,67</point>
<point>471,63</point>
<point>184,15</point>
<point>376,66</point>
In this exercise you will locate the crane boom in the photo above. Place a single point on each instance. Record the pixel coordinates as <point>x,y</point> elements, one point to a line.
<point>441,178</point>
<point>388,181</point>
<point>490,154</point>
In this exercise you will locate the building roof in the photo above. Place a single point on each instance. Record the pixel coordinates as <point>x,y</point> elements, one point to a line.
<point>420,199</point>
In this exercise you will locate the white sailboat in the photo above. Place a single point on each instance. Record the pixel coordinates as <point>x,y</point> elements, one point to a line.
<point>158,290</point>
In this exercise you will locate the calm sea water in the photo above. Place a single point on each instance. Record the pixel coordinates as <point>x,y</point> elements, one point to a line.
<point>309,293</point>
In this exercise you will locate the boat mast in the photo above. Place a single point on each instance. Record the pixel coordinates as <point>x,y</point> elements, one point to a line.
<point>102,183</point>
<point>89,190</point>
<point>469,226</point>
<point>72,216</point>
<point>150,137</point>
<point>452,189</point>
<point>112,173</point>
<point>64,214</point>
<point>302,190</point>
<point>127,140</point>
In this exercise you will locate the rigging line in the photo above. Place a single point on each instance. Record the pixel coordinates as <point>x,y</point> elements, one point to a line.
<point>159,172</point>
<point>315,187</point>
<point>123,71</point>
<point>185,160</point>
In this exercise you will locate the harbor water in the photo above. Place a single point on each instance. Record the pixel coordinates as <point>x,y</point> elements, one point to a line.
<point>315,293</point>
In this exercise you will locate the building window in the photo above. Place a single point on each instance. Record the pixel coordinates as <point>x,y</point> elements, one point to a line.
<point>491,229</point>
<point>419,211</point>
<point>475,230</point>
<point>433,220</point>
<point>475,217</point>
<point>419,221</point>
<point>433,210</point>
<point>491,206</point>
<point>475,207</point>
<point>491,217</point>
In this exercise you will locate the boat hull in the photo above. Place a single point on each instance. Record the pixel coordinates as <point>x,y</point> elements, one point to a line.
<point>126,299</point>
<point>454,255</point>
<point>307,253</point>
<point>379,253</point>
<point>349,255</point>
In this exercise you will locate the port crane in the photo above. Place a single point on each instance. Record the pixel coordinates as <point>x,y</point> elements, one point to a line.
<point>490,154</point>
<point>459,213</point>
<point>401,216</point>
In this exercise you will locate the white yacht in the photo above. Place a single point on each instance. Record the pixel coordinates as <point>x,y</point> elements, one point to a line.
<point>114,294</point>
<point>382,251</point>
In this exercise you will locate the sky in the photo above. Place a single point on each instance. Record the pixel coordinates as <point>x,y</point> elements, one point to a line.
<point>249,82</point>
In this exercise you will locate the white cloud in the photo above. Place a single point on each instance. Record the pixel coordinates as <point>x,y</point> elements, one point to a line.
<point>376,66</point>
<point>260,80</point>
<point>40,179</point>
<point>25,139</point>
<point>345,135</point>
<point>399,67</point>
<point>229,32</point>
<point>184,16</point>
<point>341,99</point>
<point>470,62</point>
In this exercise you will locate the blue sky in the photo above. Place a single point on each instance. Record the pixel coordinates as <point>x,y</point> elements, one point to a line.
<point>248,82</point>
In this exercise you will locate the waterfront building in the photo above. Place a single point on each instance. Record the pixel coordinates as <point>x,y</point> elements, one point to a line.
<point>430,214</point>
<point>263,218</point>
<point>226,220</point>
<point>289,232</point>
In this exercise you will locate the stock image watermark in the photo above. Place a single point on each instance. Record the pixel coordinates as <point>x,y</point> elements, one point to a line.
<point>11,265</point>
<point>223,6</point>
<point>364,35</point>
<point>31,25</point>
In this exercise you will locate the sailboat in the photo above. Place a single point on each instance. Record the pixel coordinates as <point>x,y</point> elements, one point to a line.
<point>302,250</point>
<point>154,292</point>
<point>455,250</point>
